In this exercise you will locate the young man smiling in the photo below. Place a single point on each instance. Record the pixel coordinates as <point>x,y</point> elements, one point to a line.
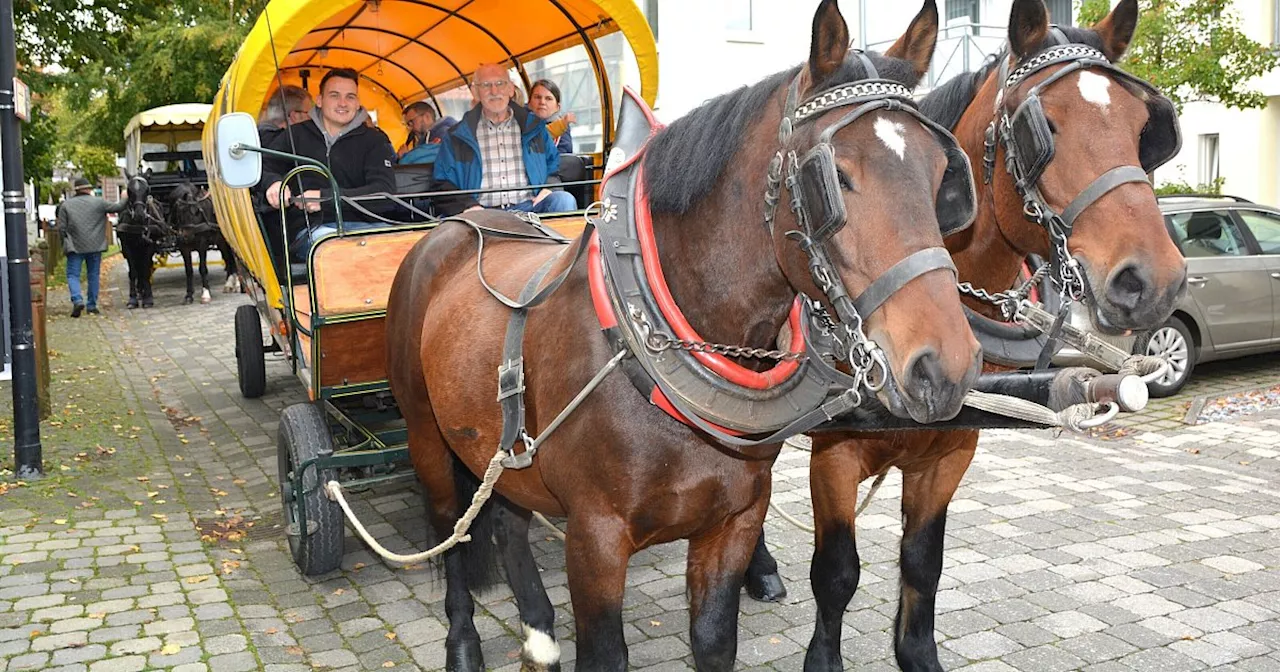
<point>499,144</point>
<point>359,156</point>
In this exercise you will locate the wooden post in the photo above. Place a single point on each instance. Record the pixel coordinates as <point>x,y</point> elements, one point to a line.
<point>39,293</point>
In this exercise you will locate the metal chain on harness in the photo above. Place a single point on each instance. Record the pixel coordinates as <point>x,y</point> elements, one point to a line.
<point>657,342</point>
<point>1010,300</point>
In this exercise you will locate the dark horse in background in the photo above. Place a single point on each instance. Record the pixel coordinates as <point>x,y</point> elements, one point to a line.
<point>625,474</point>
<point>192,218</point>
<point>140,228</point>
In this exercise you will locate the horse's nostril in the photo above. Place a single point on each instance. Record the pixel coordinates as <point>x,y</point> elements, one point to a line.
<point>925,373</point>
<point>1128,287</point>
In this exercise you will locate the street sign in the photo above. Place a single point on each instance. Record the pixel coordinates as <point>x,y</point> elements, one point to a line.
<point>21,99</point>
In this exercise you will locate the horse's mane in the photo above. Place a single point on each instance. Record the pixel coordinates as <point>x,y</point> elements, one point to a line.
<point>685,160</point>
<point>947,103</point>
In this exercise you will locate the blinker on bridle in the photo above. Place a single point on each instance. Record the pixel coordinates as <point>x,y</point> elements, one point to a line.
<point>818,203</point>
<point>1028,143</point>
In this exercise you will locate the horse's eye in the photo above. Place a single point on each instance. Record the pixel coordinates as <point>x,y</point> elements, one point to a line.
<point>846,182</point>
<point>1053,128</point>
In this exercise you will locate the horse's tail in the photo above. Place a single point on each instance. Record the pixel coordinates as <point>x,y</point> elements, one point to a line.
<point>480,555</point>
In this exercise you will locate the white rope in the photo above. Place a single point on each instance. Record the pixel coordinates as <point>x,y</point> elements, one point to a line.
<point>555,531</point>
<point>491,474</point>
<point>1149,367</point>
<point>1077,418</point>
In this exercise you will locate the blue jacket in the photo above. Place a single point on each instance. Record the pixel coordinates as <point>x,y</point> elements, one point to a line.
<point>460,166</point>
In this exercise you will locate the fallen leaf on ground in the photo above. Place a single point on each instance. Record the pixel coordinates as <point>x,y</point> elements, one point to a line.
<point>143,479</point>
<point>170,649</point>
<point>97,615</point>
<point>197,579</point>
<point>388,664</point>
<point>339,591</point>
<point>34,634</point>
<point>293,650</point>
<point>358,566</point>
<point>271,631</point>
<point>391,636</point>
<point>239,481</point>
<point>775,640</point>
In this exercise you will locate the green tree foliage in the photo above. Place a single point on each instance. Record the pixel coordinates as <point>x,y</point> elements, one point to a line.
<point>1172,188</point>
<point>1192,50</point>
<point>92,66</point>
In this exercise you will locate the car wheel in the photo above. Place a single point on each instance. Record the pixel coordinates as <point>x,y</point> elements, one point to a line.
<point>1174,344</point>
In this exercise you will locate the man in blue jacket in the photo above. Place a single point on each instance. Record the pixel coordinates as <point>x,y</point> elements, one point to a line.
<point>499,144</point>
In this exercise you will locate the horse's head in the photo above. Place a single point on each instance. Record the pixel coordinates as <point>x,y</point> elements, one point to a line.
<point>139,191</point>
<point>873,184</point>
<point>1076,136</point>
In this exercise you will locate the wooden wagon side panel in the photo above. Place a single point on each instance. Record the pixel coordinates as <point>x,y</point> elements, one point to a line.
<point>354,275</point>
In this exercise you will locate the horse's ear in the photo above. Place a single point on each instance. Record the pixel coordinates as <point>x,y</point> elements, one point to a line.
<point>1117,29</point>
<point>830,42</point>
<point>1028,27</point>
<point>917,44</point>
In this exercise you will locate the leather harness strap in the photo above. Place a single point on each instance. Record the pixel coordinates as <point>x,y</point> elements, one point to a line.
<point>511,373</point>
<point>898,275</point>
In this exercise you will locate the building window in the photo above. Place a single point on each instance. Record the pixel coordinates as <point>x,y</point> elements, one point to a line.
<point>1208,158</point>
<point>740,15</point>
<point>959,9</point>
<point>1059,12</point>
<point>651,13</point>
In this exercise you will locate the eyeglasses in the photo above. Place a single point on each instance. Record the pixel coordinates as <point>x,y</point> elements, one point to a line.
<point>495,85</point>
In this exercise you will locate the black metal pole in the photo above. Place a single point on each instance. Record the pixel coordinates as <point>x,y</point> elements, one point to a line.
<point>26,418</point>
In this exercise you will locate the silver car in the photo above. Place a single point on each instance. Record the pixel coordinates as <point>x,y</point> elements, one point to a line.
<point>1232,247</point>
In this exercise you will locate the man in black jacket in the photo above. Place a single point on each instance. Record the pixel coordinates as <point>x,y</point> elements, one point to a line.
<point>359,156</point>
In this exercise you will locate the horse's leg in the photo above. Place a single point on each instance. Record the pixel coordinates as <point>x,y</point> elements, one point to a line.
<point>435,465</point>
<point>186,265</point>
<point>834,474</point>
<point>147,268</point>
<point>204,274</point>
<point>925,496</point>
<point>596,552</point>
<point>130,249</point>
<point>716,566</point>
<point>764,584</point>
<point>541,652</point>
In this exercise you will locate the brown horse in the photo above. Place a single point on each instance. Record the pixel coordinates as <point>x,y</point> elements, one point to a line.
<point>1099,120</point>
<point>624,472</point>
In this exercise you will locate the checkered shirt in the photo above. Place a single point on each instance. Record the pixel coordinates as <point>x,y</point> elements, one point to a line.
<point>503,162</point>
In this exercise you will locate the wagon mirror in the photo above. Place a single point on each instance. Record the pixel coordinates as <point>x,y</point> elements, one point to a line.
<point>239,162</point>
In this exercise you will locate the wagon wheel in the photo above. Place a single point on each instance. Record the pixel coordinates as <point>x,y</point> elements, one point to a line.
<point>251,363</point>
<point>303,436</point>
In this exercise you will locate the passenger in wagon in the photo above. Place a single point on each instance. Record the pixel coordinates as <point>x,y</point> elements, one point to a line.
<point>359,157</point>
<point>419,118</point>
<point>544,100</point>
<point>499,144</point>
<point>291,104</point>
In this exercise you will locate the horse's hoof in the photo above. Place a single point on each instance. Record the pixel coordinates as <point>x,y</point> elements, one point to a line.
<point>464,656</point>
<point>766,588</point>
<point>186,300</point>
<point>133,303</point>
<point>205,296</point>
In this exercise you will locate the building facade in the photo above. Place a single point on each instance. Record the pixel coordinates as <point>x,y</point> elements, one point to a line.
<point>708,47</point>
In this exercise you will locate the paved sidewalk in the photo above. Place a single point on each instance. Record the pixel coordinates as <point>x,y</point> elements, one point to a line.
<point>1150,552</point>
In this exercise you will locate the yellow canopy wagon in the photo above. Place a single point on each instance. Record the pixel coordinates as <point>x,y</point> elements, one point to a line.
<point>327,316</point>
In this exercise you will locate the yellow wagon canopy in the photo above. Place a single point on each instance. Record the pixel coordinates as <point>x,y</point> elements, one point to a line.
<point>408,50</point>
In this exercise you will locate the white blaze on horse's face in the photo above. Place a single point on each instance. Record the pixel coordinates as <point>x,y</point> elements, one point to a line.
<point>1095,88</point>
<point>893,135</point>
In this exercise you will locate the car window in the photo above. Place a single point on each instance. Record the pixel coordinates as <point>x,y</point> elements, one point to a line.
<point>1207,234</point>
<point>1265,227</point>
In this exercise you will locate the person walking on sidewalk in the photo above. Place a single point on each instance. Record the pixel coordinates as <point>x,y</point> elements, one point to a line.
<point>82,221</point>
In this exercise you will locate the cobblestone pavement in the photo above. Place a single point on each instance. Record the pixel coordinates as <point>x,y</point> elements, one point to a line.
<point>1149,552</point>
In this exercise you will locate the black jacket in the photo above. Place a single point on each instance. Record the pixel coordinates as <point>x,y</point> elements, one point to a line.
<point>360,159</point>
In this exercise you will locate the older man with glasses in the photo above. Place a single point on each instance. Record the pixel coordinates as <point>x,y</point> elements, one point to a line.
<point>500,145</point>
